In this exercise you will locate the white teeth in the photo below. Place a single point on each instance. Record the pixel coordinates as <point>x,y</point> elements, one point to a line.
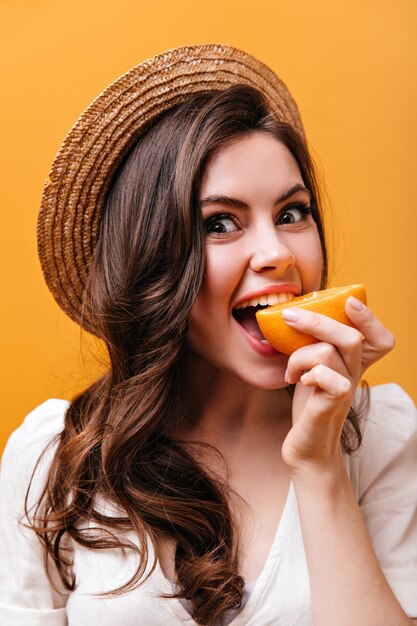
<point>269,299</point>
<point>273,298</point>
<point>285,297</point>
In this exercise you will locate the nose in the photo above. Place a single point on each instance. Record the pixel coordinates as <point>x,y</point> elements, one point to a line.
<point>270,252</point>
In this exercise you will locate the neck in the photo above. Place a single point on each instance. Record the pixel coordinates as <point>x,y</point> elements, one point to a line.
<point>219,407</point>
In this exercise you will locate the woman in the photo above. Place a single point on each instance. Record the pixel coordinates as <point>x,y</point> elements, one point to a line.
<point>205,478</point>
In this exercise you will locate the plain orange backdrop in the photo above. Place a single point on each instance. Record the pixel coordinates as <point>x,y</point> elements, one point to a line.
<point>351,65</point>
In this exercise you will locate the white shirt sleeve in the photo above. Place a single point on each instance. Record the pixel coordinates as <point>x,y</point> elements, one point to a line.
<point>26,595</point>
<point>384,475</point>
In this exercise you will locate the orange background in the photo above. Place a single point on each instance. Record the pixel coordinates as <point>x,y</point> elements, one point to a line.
<point>351,65</point>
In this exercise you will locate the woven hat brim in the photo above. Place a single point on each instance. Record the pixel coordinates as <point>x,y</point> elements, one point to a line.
<point>75,192</point>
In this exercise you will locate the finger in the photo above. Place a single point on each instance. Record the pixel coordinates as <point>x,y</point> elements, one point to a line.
<point>378,339</point>
<point>323,397</point>
<point>347,340</point>
<point>335,386</point>
<point>328,404</point>
<point>307,357</point>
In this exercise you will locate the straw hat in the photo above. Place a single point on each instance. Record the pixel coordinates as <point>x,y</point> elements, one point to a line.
<point>76,188</point>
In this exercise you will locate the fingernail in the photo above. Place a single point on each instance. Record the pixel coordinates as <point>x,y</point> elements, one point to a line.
<point>289,315</point>
<point>356,304</point>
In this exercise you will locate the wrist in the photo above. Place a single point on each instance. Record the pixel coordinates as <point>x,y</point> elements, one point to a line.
<point>325,475</point>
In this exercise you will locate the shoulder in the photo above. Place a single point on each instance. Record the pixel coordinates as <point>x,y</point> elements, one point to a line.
<point>45,420</point>
<point>391,415</point>
<point>391,408</point>
<point>33,440</point>
<point>39,427</point>
<point>388,453</point>
<point>384,475</point>
<point>26,595</point>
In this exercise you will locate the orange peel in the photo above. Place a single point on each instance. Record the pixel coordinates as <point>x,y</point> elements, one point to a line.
<point>330,302</point>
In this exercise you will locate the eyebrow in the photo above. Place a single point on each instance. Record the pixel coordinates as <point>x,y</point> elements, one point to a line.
<point>240,204</point>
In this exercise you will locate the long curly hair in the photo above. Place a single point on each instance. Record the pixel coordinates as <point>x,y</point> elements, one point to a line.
<point>143,280</point>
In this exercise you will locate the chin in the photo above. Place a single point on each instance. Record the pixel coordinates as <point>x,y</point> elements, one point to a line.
<point>263,380</point>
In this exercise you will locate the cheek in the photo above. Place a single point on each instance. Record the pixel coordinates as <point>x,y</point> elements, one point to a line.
<point>221,277</point>
<point>211,310</point>
<point>310,263</point>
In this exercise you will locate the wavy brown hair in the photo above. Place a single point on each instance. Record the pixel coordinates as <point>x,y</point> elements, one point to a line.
<point>117,442</point>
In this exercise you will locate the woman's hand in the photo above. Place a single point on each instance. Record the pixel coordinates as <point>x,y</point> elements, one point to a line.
<point>346,581</point>
<point>327,375</point>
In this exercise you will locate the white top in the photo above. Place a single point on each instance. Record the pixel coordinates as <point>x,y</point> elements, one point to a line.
<point>384,476</point>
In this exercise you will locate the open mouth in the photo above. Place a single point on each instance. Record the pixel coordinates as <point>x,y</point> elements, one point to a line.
<point>245,312</point>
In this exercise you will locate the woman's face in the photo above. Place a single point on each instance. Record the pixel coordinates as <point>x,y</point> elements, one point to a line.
<point>261,244</point>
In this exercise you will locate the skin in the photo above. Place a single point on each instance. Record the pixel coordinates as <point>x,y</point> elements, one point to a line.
<point>256,251</point>
<point>237,399</point>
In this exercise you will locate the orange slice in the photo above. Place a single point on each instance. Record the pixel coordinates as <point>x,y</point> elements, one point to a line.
<point>330,302</point>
